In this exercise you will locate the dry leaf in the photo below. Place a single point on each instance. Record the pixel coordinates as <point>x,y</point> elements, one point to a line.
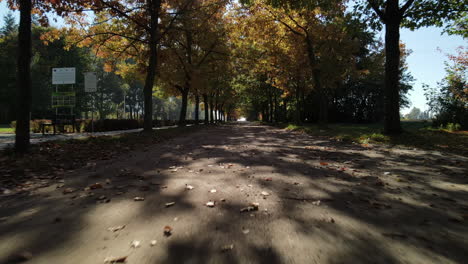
<point>96,185</point>
<point>135,244</point>
<point>324,163</point>
<point>167,230</point>
<point>227,247</point>
<point>212,190</point>
<point>189,187</point>
<point>139,198</point>
<point>251,207</point>
<point>210,204</point>
<point>153,243</point>
<point>245,231</point>
<point>268,179</point>
<point>111,260</point>
<point>170,204</point>
<point>116,228</point>
<point>68,190</point>
<point>265,193</point>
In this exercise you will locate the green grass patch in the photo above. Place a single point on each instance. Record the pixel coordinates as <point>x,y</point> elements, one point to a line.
<point>416,134</point>
<point>6,129</point>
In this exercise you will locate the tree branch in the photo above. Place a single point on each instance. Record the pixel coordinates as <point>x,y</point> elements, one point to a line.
<point>405,7</point>
<point>377,10</point>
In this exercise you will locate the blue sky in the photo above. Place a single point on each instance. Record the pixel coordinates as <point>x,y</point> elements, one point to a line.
<point>426,63</point>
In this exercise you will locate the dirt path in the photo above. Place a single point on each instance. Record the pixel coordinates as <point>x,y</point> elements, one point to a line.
<point>328,202</point>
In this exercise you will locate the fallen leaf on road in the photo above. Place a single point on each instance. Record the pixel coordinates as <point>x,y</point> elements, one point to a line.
<point>68,190</point>
<point>153,243</point>
<point>251,207</point>
<point>135,244</point>
<point>170,204</point>
<point>386,173</point>
<point>212,190</point>
<point>116,228</point>
<point>316,203</point>
<point>210,204</point>
<point>227,247</point>
<point>245,231</point>
<point>111,260</point>
<point>167,230</point>
<point>265,193</point>
<point>324,163</point>
<point>102,197</point>
<point>139,198</point>
<point>268,179</point>
<point>189,187</point>
<point>96,185</point>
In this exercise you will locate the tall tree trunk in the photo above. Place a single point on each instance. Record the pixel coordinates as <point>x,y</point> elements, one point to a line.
<point>270,104</point>
<point>211,110</point>
<point>323,105</point>
<point>197,108</point>
<point>205,103</point>
<point>298,107</point>
<point>24,96</point>
<point>392,70</point>
<point>153,7</point>
<point>275,107</point>
<point>183,109</point>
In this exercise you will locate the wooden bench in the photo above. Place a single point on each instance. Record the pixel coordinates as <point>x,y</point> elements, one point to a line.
<point>61,121</point>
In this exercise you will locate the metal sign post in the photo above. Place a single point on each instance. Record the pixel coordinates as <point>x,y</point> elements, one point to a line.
<point>64,101</point>
<point>91,87</point>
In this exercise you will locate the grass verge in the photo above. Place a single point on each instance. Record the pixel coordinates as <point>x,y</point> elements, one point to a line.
<point>416,134</point>
<point>6,129</point>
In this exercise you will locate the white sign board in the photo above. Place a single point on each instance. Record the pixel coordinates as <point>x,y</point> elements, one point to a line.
<point>63,75</point>
<point>90,82</point>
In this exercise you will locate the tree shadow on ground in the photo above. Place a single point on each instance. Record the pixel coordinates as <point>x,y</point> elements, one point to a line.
<point>364,216</point>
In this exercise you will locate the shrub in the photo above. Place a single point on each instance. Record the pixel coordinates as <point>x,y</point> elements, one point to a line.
<point>109,125</point>
<point>453,127</point>
<point>35,125</point>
